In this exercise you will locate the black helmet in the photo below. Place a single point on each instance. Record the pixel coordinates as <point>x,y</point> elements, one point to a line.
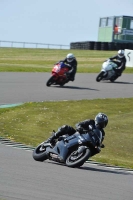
<point>101,120</point>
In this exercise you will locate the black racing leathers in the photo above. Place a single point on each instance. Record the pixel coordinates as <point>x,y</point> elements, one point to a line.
<point>73,67</point>
<point>89,124</point>
<point>121,62</point>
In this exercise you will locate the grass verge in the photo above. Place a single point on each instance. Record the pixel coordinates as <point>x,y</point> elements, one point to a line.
<point>42,60</point>
<point>32,123</point>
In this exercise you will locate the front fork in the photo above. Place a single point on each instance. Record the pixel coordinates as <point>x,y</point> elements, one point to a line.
<point>105,73</point>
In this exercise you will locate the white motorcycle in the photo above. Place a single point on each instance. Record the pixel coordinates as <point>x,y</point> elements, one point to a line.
<point>107,71</point>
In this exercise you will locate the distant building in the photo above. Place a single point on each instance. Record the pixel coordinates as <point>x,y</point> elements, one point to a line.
<point>114,33</point>
<point>118,29</point>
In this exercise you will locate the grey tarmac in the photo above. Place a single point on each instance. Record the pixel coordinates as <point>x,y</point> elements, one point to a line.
<point>22,178</point>
<point>31,87</point>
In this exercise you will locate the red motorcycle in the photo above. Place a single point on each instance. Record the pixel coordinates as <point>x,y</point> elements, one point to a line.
<point>59,76</point>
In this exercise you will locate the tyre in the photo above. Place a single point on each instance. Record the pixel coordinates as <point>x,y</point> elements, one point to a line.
<point>64,82</point>
<point>39,153</point>
<point>99,77</point>
<point>111,46</point>
<point>50,81</point>
<point>97,46</point>
<point>76,159</point>
<point>104,45</point>
<point>113,79</point>
<point>91,45</point>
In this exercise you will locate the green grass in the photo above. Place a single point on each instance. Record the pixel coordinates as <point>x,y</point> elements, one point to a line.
<point>32,123</point>
<point>42,60</point>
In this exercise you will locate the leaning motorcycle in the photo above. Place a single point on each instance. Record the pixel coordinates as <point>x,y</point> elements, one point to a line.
<point>58,76</point>
<point>73,150</point>
<point>107,71</point>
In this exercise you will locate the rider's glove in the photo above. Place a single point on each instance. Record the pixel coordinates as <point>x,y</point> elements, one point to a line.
<point>79,129</point>
<point>90,127</point>
<point>102,145</point>
<point>68,65</point>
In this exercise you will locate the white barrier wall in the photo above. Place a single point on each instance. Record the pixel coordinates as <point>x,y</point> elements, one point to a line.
<point>129,57</point>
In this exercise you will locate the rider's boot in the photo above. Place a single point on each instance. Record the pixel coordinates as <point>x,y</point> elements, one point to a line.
<point>53,137</point>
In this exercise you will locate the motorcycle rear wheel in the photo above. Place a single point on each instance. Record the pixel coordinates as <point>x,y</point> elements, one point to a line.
<point>39,153</point>
<point>99,77</point>
<point>63,83</point>
<point>50,81</point>
<point>76,159</point>
<point>113,79</point>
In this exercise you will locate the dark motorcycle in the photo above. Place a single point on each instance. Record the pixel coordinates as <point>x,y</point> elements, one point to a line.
<point>58,76</point>
<point>71,150</point>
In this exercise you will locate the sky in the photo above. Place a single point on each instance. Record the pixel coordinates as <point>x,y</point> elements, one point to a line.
<point>57,21</point>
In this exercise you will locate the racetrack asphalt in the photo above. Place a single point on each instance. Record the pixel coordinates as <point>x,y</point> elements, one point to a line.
<point>31,87</point>
<point>22,178</point>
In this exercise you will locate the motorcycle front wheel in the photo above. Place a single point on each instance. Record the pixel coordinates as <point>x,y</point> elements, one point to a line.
<point>76,159</point>
<point>99,77</point>
<point>39,153</point>
<point>50,81</point>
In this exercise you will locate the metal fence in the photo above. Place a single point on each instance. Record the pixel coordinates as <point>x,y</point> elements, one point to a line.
<point>32,45</point>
